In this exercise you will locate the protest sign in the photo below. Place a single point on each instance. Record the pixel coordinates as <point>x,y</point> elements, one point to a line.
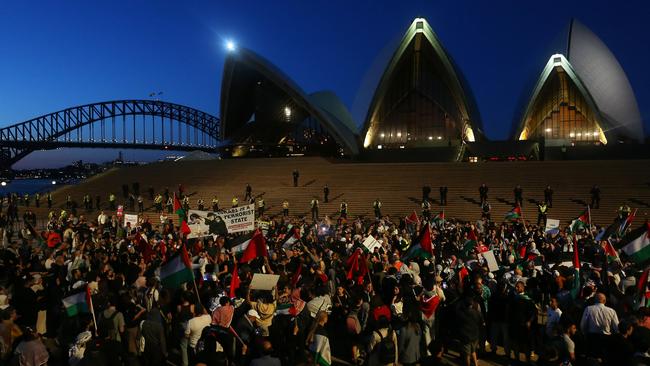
<point>262,281</point>
<point>232,220</point>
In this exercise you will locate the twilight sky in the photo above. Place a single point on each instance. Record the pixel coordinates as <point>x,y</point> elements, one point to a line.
<point>57,54</point>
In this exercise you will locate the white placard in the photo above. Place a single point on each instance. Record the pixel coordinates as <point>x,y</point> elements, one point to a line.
<point>371,243</point>
<point>552,226</point>
<point>262,281</point>
<point>131,219</point>
<point>491,261</point>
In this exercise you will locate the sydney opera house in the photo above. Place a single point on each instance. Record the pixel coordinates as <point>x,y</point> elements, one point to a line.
<point>422,107</point>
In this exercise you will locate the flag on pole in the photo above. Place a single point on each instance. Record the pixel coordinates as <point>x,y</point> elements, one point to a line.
<point>514,214</point>
<point>581,222</point>
<point>177,270</point>
<point>234,281</point>
<point>626,223</point>
<point>77,303</point>
<point>610,251</point>
<point>642,287</point>
<point>256,248</point>
<point>439,219</point>
<point>576,254</point>
<point>425,239</point>
<point>636,244</point>
<point>413,218</point>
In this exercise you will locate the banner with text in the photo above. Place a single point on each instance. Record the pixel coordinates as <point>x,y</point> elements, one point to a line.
<point>232,220</point>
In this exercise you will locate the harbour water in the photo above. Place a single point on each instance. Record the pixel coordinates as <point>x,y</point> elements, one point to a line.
<point>31,186</point>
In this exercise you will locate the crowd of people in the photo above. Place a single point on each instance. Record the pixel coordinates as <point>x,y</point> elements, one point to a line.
<point>336,300</point>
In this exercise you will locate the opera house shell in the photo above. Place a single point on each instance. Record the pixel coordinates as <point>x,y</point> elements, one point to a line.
<point>582,97</point>
<point>421,100</point>
<point>263,111</point>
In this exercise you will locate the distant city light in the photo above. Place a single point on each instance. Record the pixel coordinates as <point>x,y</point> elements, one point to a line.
<point>548,130</point>
<point>399,134</point>
<point>383,135</point>
<point>4,184</point>
<point>439,137</point>
<point>379,147</point>
<point>287,112</point>
<point>53,182</point>
<point>430,137</point>
<point>230,45</point>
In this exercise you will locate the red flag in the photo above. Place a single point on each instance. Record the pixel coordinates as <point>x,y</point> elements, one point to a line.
<point>576,259</point>
<point>472,235</point>
<point>185,228</point>
<point>412,218</point>
<point>256,248</point>
<point>363,268</point>
<point>296,276</point>
<point>461,276</point>
<point>234,281</point>
<point>425,239</point>
<point>353,263</point>
<point>53,239</point>
<point>177,203</point>
<point>185,256</point>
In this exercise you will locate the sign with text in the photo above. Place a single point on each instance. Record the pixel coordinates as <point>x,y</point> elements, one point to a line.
<point>262,281</point>
<point>131,219</point>
<point>232,220</point>
<point>491,261</point>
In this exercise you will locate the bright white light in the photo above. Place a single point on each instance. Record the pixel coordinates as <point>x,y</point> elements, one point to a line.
<point>230,45</point>
<point>430,138</point>
<point>287,112</point>
<point>596,134</point>
<point>399,134</point>
<point>579,134</point>
<point>383,135</point>
<point>572,134</point>
<point>379,147</point>
<point>53,182</point>
<point>548,130</point>
<point>4,184</point>
<point>439,137</point>
<point>401,146</point>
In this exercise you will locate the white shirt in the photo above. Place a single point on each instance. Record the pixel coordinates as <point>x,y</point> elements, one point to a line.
<point>599,319</point>
<point>102,219</point>
<point>195,327</point>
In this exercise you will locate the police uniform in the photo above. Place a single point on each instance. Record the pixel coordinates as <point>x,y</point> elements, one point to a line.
<point>542,210</point>
<point>199,204</point>
<point>314,209</point>
<point>344,210</point>
<point>377,206</point>
<point>285,208</point>
<point>235,202</point>
<point>426,210</point>
<point>215,204</point>
<point>260,207</point>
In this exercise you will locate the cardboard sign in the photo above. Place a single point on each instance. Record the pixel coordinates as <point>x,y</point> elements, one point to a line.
<point>120,210</point>
<point>262,281</point>
<point>491,261</point>
<point>232,220</point>
<point>131,219</point>
<point>371,243</point>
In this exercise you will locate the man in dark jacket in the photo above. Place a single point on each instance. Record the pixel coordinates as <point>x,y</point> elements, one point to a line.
<point>155,345</point>
<point>469,323</point>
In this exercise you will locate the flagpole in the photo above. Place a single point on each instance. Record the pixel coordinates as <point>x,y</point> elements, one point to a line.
<point>589,213</point>
<point>92,311</point>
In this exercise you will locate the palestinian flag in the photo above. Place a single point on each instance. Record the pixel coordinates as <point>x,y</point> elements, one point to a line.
<point>642,287</point>
<point>292,236</point>
<point>320,348</point>
<point>177,270</point>
<point>286,309</point>
<point>412,218</point>
<point>513,214</point>
<point>240,243</point>
<point>611,253</point>
<point>178,209</point>
<point>439,219</point>
<point>416,251</point>
<point>626,223</point>
<point>637,244</point>
<point>256,248</point>
<point>77,303</point>
<point>581,222</point>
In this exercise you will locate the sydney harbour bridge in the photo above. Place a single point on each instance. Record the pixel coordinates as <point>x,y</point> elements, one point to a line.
<point>136,124</point>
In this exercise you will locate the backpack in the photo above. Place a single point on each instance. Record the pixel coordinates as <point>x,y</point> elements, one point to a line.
<point>386,348</point>
<point>107,323</point>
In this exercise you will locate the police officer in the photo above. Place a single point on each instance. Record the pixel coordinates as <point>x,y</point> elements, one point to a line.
<point>542,209</point>
<point>215,203</point>
<point>199,204</point>
<point>426,190</point>
<point>443,195</point>
<point>68,202</point>
<point>548,196</point>
<point>377,207</point>
<point>483,193</point>
<point>343,210</point>
<point>37,200</point>
<point>326,193</point>
<point>158,203</point>
<point>186,203</point>
<point>49,200</point>
<point>261,205</point>
<point>111,201</point>
<point>235,202</point>
<point>624,211</point>
<point>295,174</point>
<point>426,210</point>
<point>595,196</point>
<point>249,192</point>
<point>285,208</point>
<point>140,203</point>
<point>170,205</point>
<point>519,196</point>
<point>485,210</point>
<point>314,209</point>
<point>98,202</point>
<point>26,198</point>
